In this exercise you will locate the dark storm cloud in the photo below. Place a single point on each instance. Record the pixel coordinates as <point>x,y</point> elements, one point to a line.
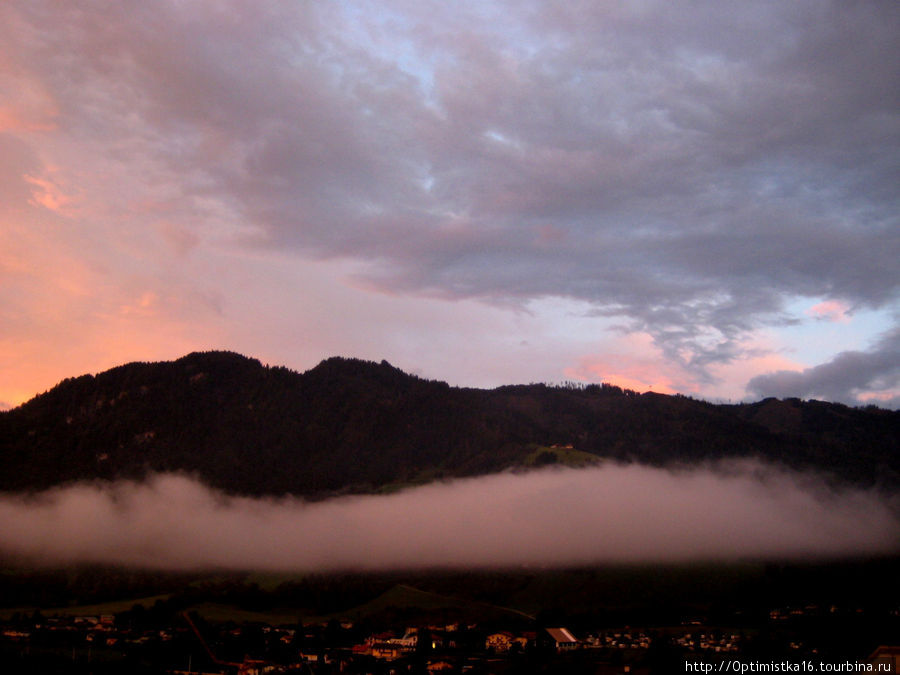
<point>685,168</point>
<point>559,517</point>
<point>842,378</point>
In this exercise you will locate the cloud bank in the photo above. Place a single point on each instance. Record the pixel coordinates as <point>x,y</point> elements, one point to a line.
<point>554,517</point>
<point>844,378</point>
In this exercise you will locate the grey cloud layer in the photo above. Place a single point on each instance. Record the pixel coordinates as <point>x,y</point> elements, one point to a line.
<point>686,168</point>
<point>608,514</point>
<point>841,378</point>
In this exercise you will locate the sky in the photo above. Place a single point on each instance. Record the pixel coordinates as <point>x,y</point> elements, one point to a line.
<point>693,197</point>
<point>610,514</point>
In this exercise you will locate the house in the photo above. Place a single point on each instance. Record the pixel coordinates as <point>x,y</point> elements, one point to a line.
<point>409,640</point>
<point>562,639</point>
<point>499,642</point>
<point>439,640</point>
<point>389,652</point>
<point>885,659</point>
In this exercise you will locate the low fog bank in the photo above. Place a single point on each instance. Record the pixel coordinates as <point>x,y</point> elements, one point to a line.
<point>552,517</point>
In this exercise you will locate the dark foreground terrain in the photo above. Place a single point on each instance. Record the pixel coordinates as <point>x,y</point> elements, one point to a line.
<point>645,618</point>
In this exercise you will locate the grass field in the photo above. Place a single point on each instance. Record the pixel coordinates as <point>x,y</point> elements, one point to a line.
<point>641,593</point>
<point>560,456</point>
<point>111,607</point>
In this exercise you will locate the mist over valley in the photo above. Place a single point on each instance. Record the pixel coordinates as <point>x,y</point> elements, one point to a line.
<point>551,517</point>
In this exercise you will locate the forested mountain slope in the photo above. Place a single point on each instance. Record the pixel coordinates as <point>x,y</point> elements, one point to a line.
<point>351,425</point>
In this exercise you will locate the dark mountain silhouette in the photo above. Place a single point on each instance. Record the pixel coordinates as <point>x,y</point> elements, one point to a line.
<point>349,425</point>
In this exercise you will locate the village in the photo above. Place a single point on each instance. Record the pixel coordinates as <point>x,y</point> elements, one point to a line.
<point>87,643</point>
<point>116,643</point>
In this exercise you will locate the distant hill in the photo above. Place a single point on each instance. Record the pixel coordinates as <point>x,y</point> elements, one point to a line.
<point>353,426</point>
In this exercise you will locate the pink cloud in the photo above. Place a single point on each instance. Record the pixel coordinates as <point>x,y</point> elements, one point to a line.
<point>27,105</point>
<point>49,194</point>
<point>830,310</point>
<point>634,362</point>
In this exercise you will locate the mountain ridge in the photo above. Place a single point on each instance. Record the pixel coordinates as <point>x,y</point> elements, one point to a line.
<point>349,425</point>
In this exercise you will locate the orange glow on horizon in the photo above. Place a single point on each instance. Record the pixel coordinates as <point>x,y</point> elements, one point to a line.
<point>633,362</point>
<point>661,386</point>
<point>878,396</point>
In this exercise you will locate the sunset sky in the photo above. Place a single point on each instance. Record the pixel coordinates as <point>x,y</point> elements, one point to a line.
<point>694,197</point>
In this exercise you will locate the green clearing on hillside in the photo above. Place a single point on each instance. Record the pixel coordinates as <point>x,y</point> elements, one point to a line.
<point>543,455</point>
<point>111,607</point>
